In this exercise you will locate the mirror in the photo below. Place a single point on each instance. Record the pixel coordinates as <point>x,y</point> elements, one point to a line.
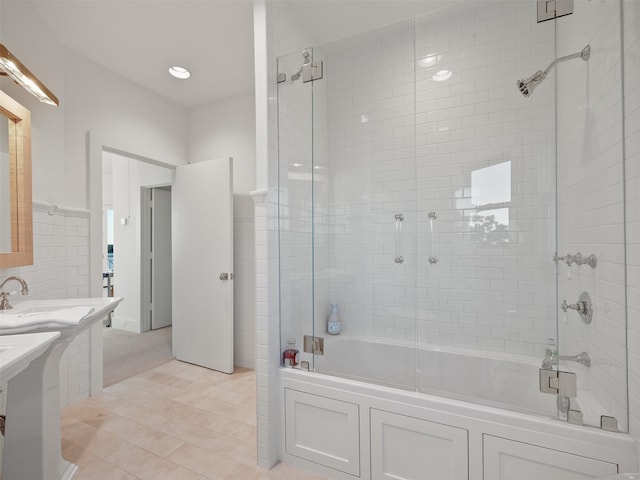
<point>5,187</point>
<point>16,230</point>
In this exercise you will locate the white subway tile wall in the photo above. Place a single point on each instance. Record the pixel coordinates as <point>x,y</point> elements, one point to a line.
<point>591,199</point>
<point>486,166</point>
<point>470,149</point>
<point>267,286</point>
<point>243,291</point>
<point>371,104</point>
<point>631,28</point>
<point>267,319</point>
<point>61,270</point>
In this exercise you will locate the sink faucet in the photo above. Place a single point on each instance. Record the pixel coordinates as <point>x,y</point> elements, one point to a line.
<point>4,296</point>
<point>552,358</point>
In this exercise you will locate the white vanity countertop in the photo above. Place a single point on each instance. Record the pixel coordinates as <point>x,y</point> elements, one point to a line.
<point>18,351</point>
<point>33,316</point>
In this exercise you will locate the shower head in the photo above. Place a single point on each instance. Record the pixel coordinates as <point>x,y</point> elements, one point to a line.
<point>528,85</point>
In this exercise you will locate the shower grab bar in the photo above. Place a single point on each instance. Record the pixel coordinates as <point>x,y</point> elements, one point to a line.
<point>399,240</point>
<point>433,216</point>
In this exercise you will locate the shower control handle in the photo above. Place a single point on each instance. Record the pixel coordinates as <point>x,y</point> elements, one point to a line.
<point>572,306</point>
<point>583,307</point>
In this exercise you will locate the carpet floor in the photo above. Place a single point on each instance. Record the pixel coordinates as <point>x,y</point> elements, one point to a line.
<point>128,354</point>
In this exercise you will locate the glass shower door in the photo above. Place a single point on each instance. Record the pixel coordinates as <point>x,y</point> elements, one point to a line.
<point>365,220</point>
<point>486,172</point>
<point>295,194</point>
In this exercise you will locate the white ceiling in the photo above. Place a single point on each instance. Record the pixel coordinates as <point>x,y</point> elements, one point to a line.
<point>140,39</point>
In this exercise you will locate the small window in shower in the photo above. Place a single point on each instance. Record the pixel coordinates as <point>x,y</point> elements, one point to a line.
<point>491,185</point>
<point>490,191</point>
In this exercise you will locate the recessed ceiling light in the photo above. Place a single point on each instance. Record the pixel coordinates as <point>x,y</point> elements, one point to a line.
<point>180,72</point>
<point>442,75</point>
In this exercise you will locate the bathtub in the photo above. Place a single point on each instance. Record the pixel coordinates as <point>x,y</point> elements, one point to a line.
<point>368,412</point>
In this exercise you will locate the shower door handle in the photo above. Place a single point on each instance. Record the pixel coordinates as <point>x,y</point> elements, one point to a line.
<point>399,240</point>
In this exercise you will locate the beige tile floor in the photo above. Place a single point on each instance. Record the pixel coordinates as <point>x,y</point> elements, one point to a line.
<point>177,421</point>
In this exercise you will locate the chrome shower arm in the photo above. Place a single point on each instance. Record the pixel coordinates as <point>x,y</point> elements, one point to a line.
<point>528,85</point>
<point>584,54</point>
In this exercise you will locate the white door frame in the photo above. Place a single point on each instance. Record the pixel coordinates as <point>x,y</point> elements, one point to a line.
<point>96,144</point>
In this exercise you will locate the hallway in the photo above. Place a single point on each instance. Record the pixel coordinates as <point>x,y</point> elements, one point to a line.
<point>127,354</point>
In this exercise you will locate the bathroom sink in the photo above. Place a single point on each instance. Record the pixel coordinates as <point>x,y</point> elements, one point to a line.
<point>60,304</point>
<point>31,315</point>
<point>18,351</point>
<point>32,432</point>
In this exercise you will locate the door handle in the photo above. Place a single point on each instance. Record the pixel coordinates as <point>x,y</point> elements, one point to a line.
<point>225,276</point>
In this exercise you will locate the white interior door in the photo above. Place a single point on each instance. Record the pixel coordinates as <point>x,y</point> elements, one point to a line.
<point>202,256</point>
<point>160,258</point>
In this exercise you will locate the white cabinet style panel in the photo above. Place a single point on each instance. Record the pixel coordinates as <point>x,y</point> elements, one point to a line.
<point>323,430</point>
<point>409,448</point>
<point>510,460</point>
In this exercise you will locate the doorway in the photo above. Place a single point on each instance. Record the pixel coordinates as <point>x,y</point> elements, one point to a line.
<point>130,187</point>
<point>136,200</point>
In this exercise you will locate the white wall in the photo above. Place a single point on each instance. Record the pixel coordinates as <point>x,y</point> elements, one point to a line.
<point>27,36</point>
<point>631,59</point>
<point>138,120</point>
<point>227,128</point>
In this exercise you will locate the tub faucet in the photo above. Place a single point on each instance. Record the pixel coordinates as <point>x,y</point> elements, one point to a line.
<point>552,358</point>
<point>4,296</point>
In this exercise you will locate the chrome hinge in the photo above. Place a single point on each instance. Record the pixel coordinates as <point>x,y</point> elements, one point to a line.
<point>575,417</point>
<point>312,71</point>
<point>313,345</point>
<point>610,424</point>
<point>558,383</point>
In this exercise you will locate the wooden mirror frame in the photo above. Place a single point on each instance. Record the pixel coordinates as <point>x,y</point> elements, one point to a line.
<point>20,175</point>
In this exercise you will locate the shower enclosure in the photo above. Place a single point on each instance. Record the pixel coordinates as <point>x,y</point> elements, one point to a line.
<point>455,222</point>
